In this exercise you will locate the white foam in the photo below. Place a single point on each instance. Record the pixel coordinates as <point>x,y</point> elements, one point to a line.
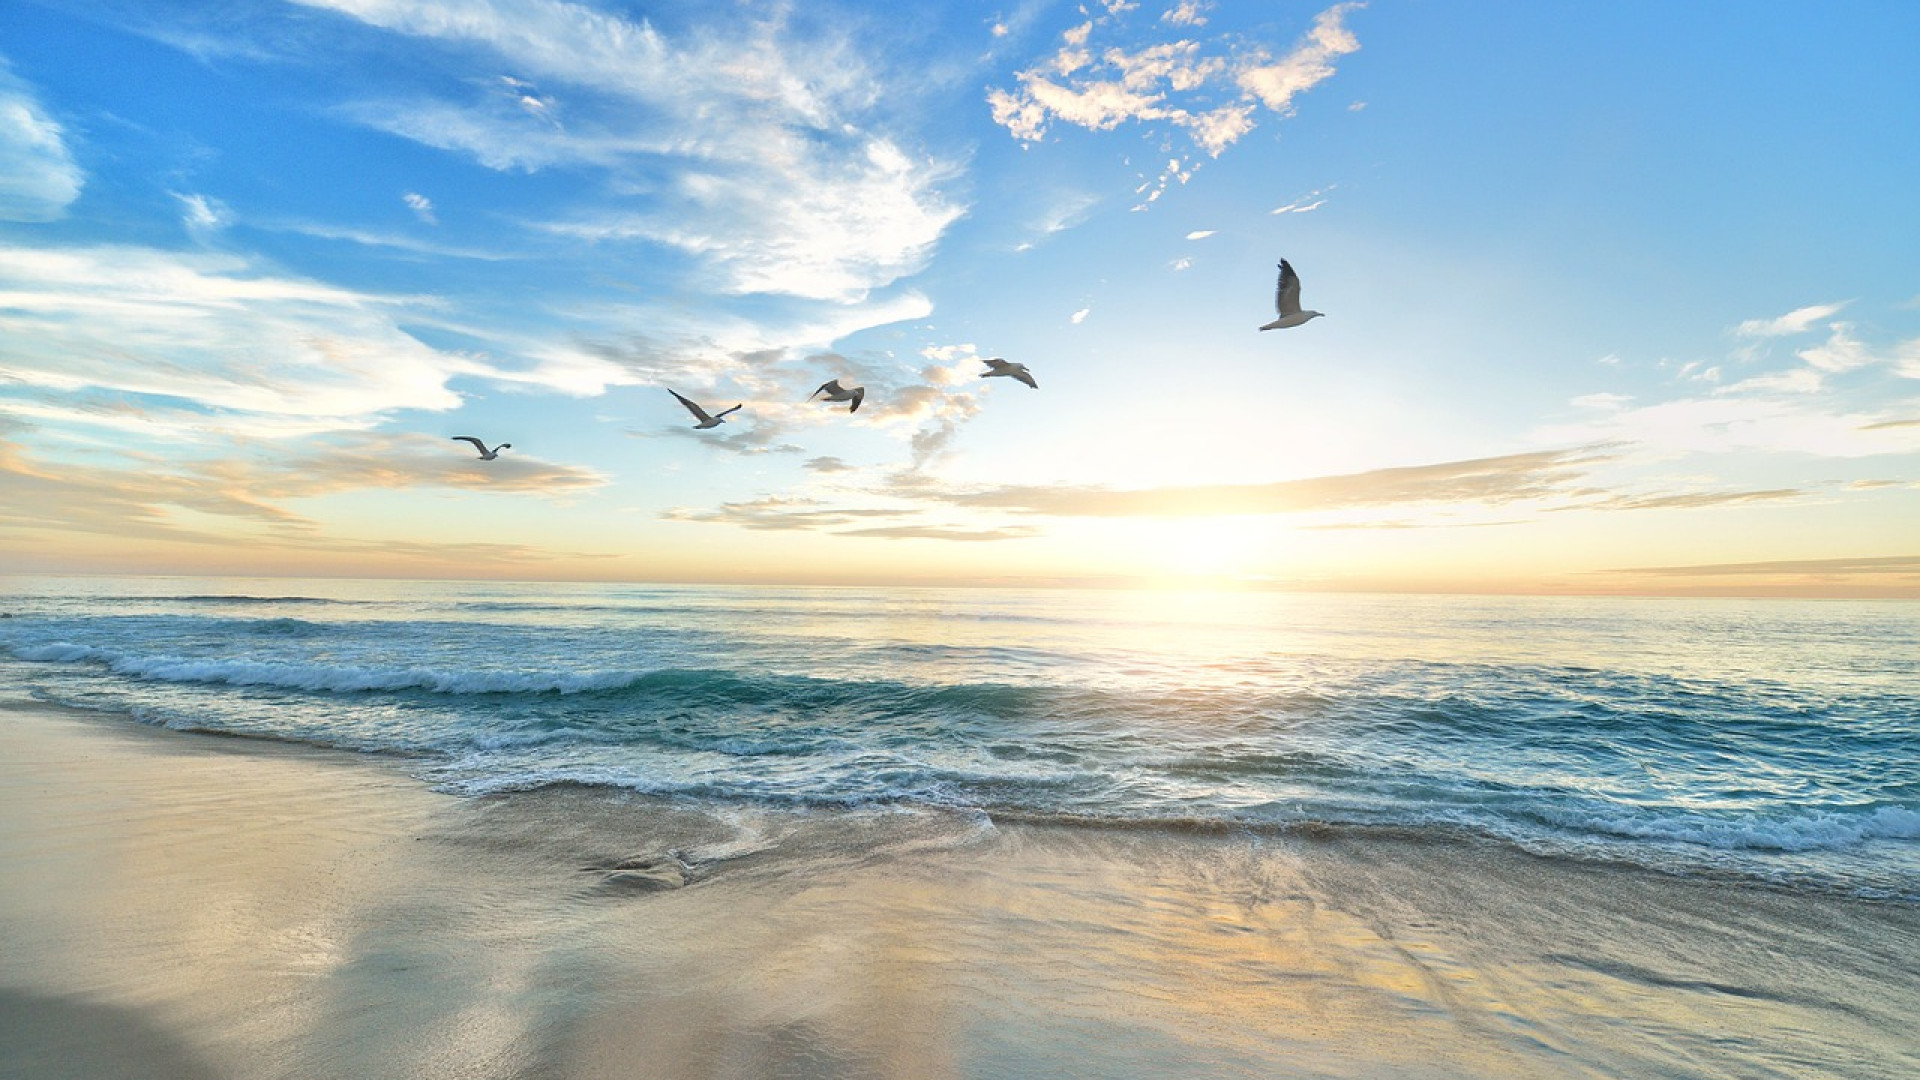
<point>1816,831</point>
<point>335,678</point>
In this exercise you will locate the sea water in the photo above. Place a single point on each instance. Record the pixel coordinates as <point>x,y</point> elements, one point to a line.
<point>1765,740</point>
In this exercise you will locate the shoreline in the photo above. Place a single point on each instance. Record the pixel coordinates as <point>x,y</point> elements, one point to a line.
<point>184,905</point>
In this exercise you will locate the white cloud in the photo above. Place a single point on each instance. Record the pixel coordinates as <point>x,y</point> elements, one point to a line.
<point>1081,315</point>
<point>1213,96</point>
<point>214,341</point>
<point>1200,234</point>
<point>1840,352</point>
<point>38,176</point>
<point>1310,63</point>
<point>202,215</point>
<point>421,206</point>
<point>1600,401</point>
<point>842,227</point>
<point>773,180</point>
<point>1187,13</point>
<point>1793,322</point>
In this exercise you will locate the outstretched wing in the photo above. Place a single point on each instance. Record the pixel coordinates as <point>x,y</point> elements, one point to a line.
<point>735,409</point>
<point>831,386</point>
<point>1287,296</point>
<point>477,444</point>
<point>1025,376</point>
<point>859,395</point>
<point>699,413</point>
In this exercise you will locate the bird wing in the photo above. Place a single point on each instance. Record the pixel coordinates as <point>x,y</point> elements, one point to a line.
<point>736,408</point>
<point>477,444</point>
<point>1287,297</point>
<point>831,386</point>
<point>1025,376</point>
<point>698,412</point>
<point>859,395</point>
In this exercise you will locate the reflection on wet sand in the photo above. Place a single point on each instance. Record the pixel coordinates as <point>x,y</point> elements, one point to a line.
<point>222,909</point>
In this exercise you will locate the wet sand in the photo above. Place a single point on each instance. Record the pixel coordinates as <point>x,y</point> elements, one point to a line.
<point>199,907</point>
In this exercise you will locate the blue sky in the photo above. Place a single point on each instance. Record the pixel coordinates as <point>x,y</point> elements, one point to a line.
<point>1619,297</point>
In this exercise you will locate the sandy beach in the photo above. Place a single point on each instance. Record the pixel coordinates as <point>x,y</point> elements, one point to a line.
<point>178,905</point>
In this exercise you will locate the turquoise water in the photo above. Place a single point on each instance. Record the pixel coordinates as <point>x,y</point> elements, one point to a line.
<point>1773,740</point>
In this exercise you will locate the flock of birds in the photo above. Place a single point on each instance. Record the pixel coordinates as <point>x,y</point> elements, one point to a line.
<point>1286,301</point>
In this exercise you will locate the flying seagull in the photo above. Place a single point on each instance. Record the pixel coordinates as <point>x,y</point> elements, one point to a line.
<point>997,366</point>
<point>485,454</point>
<point>700,414</point>
<point>836,392</point>
<point>1287,299</point>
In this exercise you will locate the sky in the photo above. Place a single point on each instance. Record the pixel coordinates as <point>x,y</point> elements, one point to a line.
<point>1618,298</point>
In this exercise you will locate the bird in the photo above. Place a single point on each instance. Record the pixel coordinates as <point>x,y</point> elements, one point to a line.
<point>1287,299</point>
<point>485,454</point>
<point>836,392</point>
<point>701,414</point>
<point>997,366</point>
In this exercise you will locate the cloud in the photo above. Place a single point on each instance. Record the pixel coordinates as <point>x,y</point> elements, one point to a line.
<point>214,342</point>
<point>38,176</point>
<point>421,206</point>
<point>1488,481</point>
<point>747,148</point>
<point>140,502</point>
<point>778,514</point>
<point>1200,234</point>
<point>1839,398</point>
<point>1310,63</point>
<point>1686,500</point>
<point>835,228</point>
<point>794,514</point>
<point>1080,316</point>
<point>1212,90</point>
<point>1793,322</point>
<point>1187,13</point>
<point>203,215</point>
<point>1888,564</point>
<point>931,532</point>
<point>827,464</point>
<point>395,241</point>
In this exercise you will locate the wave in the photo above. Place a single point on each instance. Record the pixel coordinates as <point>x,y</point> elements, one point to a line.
<point>222,598</point>
<point>334,678</point>
<point>1811,831</point>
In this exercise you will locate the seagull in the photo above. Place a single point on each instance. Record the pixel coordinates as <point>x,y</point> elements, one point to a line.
<point>701,414</point>
<point>485,454</point>
<point>997,366</point>
<point>1287,299</point>
<point>836,392</point>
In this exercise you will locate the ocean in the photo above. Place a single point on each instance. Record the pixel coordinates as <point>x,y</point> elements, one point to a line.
<point>1768,741</point>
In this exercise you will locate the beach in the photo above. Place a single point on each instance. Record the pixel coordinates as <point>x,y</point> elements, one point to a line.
<point>188,905</point>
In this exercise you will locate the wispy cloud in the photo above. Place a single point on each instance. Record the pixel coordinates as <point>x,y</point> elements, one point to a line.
<point>217,337</point>
<point>1686,500</point>
<point>1878,565</point>
<point>141,500</point>
<point>1797,321</point>
<point>752,150</point>
<point>201,214</point>
<point>38,176</point>
<point>421,206</point>
<point>779,514</point>
<point>1832,400</point>
<point>1486,481</point>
